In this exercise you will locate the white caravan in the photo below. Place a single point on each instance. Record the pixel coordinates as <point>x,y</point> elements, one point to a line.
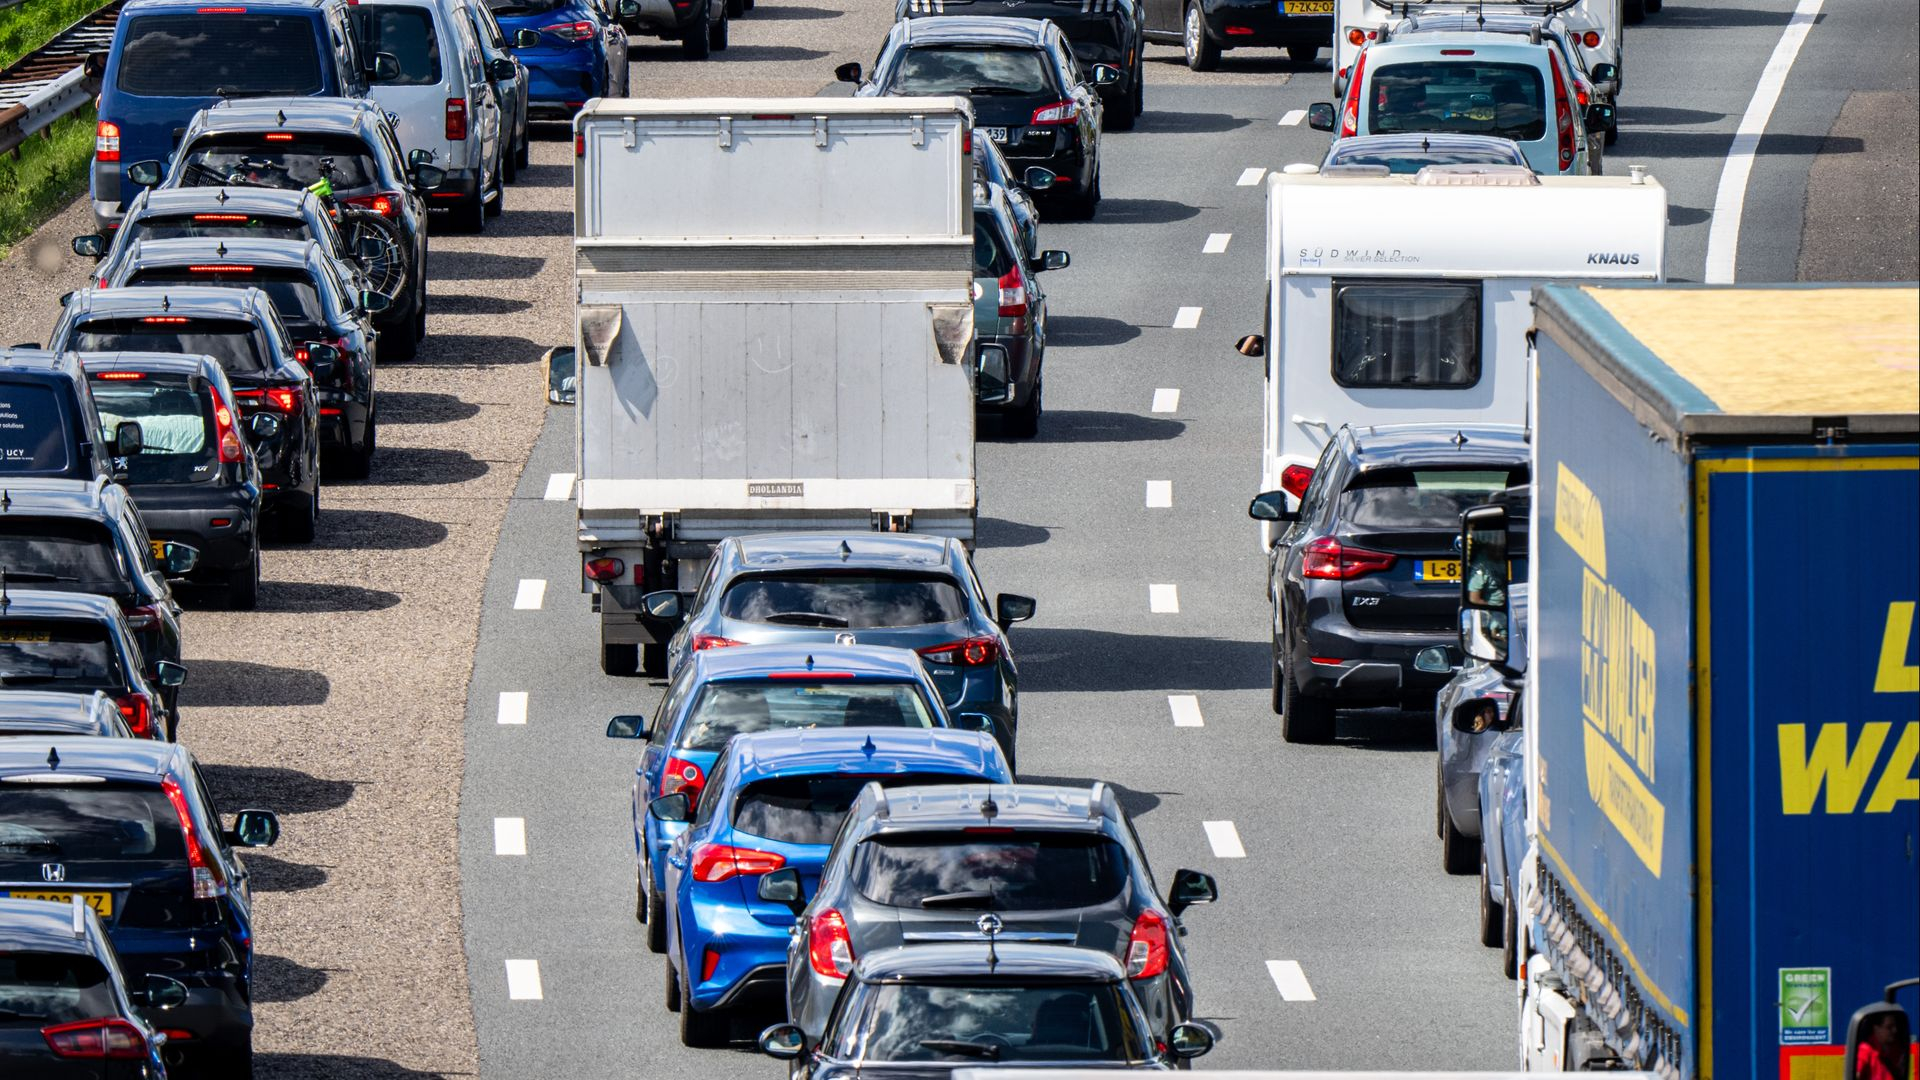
<point>1408,299</point>
<point>1596,24</point>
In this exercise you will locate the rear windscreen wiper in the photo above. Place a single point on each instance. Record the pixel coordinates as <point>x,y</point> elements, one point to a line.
<point>805,618</point>
<point>974,898</point>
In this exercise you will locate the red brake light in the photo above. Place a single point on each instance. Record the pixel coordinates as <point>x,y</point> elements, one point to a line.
<point>226,432</point>
<point>207,884</point>
<point>809,674</point>
<point>1239,31</point>
<point>119,376</point>
<point>220,268</point>
<point>1591,39</point>
<point>579,145</point>
<point>138,712</point>
<point>973,652</point>
<point>829,946</point>
<point>1327,558</point>
<point>221,10</point>
<point>713,641</point>
<point>384,203</point>
<point>572,31</point>
<point>279,136</point>
<point>107,1038</point>
<point>1147,946</point>
<point>168,320</point>
<point>106,141</point>
<point>1562,112</point>
<point>1013,296</point>
<point>1294,480</point>
<point>683,775</point>
<point>1456,52</point>
<point>607,569</point>
<point>284,398</point>
<point>456,119</point>
<point>966,141</point>
<point>718,862</point>
<point>1060,112</point>
<point>1350,116</point>
<point>220,217</point>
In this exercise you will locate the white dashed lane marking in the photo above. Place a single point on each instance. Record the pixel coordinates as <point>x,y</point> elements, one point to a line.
<point>509,836</point>
<point>1225,839</point>
<point>1159,494</point>
<point>1250,177</point>
<point>1186,710</point>
<point>531,593</point>
<point>1163,599</point>
<point>1166,399</point>
<point>513,706</point>
<point>1186,318</point>
<point>1290,980</point>
<point>523,980</point>
<point>1216,243</point>
<point>1293,117</point>
<point>560,487</point>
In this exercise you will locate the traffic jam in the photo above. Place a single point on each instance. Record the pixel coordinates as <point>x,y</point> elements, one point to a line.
<point>1514,521</point>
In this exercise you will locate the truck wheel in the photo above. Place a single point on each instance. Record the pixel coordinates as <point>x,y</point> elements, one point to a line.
<point>1457,850</point>
<point>1304,719</point>
<point>619,659</point>
<point>1493,917</point>
<point>1203,53</point>
<point>653,661</point>
<point>673,989</point>
<point>695,45</point>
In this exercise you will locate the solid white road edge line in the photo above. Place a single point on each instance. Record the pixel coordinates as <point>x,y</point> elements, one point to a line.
<point>1729,201</point>
<point>509,836</point>
<point>1163,599</point>
<point>1225,840</point>
<point>1252,176</point>
<point>1216,243</point>
<point>1186,318</point>
<point>1186,710</point>
<point>560,487</point>
<point>513,706</point>
<point>523,980</point>
<point>1293,117</point>
<point>1290,980</point>
<point>531,593</point>
<point>1166,399</point>
<point>1159,494</point>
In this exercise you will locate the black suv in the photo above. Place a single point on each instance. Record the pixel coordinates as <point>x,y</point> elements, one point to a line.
<point>68,1010</point>
<point>1367,572</point>
<point>1110,32</point>
<point>129,827</point>
<point>48,426</point>
<point>80,643</point>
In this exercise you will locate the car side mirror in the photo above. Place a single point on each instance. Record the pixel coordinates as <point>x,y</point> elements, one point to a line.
<point>1050,260</point>
<point>974,721</point>
<point>171,673</point>
<point>1105,74</point>
<point>667,604</point>
<point>1604,72</point>
<point>1191,887</point>
<point>1599,116</point>
<point>1434,661</point>
<point>1189,1040</point>
<point>783,1041</point>
<point>178,559</point>
<point>1012,608</point>
<point>160,992</point>
<point>674,807</point>
<point>782,887</point>
<point>128,439</point>
<point>847,73</point>
<point>145,173</point>
<point>373,303</point>
<point>255,828</point>
<point>1037,178</point>
<point>263,426</point>
<point>526,39</point>
<point>369,247</point>
<point>563,365</point>
<point>1254,345</point>
<point>627,9</point>
<point>1271,506</point>
<point>1320,116</point>
<point>501,69</point>
<point>628,726</point>
<point>386,67</point>
<point>322,360</point>
<point>1477,716</point>
<point>419,157</point>
<point>428,177</point>
<point>91,246</point>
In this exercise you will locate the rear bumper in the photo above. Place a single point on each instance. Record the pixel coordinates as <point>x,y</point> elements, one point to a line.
<point>752,958</point>
<point>1365,667</point>
<point>1237,23</point>
<point>223,548</point>
<point>664,19</point>
<point>559,82</point>
<point>1066,158</point>
<point>459,186</point>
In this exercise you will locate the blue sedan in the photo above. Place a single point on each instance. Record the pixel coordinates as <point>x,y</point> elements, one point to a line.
<point>750,859</point>
<point>729,692</point>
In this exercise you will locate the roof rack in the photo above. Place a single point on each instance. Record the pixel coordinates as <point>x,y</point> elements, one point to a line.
<point>880,808</point>
<point>1096,800</point>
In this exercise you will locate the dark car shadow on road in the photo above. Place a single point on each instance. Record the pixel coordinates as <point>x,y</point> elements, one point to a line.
<point>375,530</point>
<point>1159,122</point>
<point>796,13</point>
<point>423,407</point>
<point>445,264</point>
<point>1714,17</point>
<point>468,304</point>
<point>315,596</point>
<point>1692,144</point>
<point>1135,803</point>
<point>747,54</point>
<point>1662,116</point>
<point>538,222</point>
<point>1079,330</point>
<point>276,978</point>
<point>215,684</point>
<point>276,788</point>
<point>999,533</point>
<point>268,874</point>
<point>1143,211</point>
<point>1068,660</point>
<point>339,1067</point>
<point>426,465</point>
<point>544,175</point>
<point>1678,216</point>
<point>1095,426</point>
<point>476,350</point>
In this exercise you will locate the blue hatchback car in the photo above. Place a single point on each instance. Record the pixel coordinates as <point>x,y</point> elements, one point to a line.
<point>734,691</point>
<point>574,51</point>
<point>753,852</point>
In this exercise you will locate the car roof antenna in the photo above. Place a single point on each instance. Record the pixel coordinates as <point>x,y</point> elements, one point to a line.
<point>845,551</point>
<point>5,600</point>
<point>989,925</point>
<point>6,500</point>
<point>53,757</point>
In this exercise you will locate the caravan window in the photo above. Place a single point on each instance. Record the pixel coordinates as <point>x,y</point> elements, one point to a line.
<point>1409,334</point>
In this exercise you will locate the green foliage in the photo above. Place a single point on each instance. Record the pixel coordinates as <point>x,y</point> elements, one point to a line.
<point>48,173</point>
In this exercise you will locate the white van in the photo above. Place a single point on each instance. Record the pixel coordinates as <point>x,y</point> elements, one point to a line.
<point>441,94</point>
<point>1593,26</point>
<point>1407,299</point>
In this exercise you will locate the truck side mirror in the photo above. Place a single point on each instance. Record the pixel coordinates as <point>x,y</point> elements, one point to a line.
<point>847,73</point>
<point>1254,345</point>
<point>1883,1030</point>
<point>1320,116</point>
<point>1483,584</point>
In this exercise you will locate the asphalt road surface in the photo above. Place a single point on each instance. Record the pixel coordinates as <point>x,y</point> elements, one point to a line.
<point>364,700</point>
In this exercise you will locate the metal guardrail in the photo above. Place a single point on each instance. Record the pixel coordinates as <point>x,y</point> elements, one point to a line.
<point>51,81</point>
<point>45,105</point>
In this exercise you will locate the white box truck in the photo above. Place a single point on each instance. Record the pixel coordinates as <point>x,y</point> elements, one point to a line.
<point>1407,299</point>
<point>775,329</point>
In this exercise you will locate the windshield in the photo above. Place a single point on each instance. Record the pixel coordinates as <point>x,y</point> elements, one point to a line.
<point>971,69</point>
<point>33,431</point>
<point>64,654</point>
<point>730,708</point>
<point>232,54</point>
<point>406,34</point>
<point>41,989</point>
<point>844,601</point>
<point>990,1021</point>
<point>293,293</point>
<point>111,822</point>
<point>229,341</point>
<point>179,226</point>
<point>278,160</point>
<point>809,809</point>
<point>176,425</point>
<point>59,551</point>
<point>1405,160</point>
<point>1481,98</point>
<point>1024,871</point>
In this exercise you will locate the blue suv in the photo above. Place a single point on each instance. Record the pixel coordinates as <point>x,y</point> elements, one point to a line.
<point>738,874</point>
<point>170,59</point>
<point>574,51</point>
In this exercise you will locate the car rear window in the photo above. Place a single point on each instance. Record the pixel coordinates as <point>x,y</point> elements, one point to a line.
<point>849,601</point>
<point>60,653</point>
<point>287,160</point>
<point>234,343</point>
<point>59,551</point>
<point>1422,498</point>
<point>179,226</point>
<point>809,809</point>
<point>33,432</point>
<point>990,255</point>
<point>1409,335</point>
<point>1014,871</point>
<point>222,55</point>
<point>406,34</point>
<point>968,70</point>
<point>726,709</point>
<point>1479,98</point>
<point>39,989</point>
<point>508,9</point>
<point>294,294</point>
<point>176,424</point>
<point>957,1021</point>
<point>109,822</point>
<point>1402,161</point>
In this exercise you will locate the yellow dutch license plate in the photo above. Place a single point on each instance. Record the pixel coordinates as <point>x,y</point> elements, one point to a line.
<point>100,902</point>
<point>1307,7</point>
<point>159,548</point>
<point>17,636</point>
<point>1437,570</point>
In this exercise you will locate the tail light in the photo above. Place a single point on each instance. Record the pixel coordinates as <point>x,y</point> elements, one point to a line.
<point>1356,36</point>
<point>286,399</point>
<point>456,119</point>
<point>1580,94</point>
<point>226,434</point>
<point>1329,559</point>
<point>1013,296</point>
<point>683,775</point>
<point>1562,113</point>
<point>143,617</point>
<point>1591,39</point>
<point>966,141</point>
<point>384,203</point>
<point>120,376</point>
<point>106,141</point>
<point>1060,112</point>
<point>829,946</point>
<point>1147,946</point>
<point>219,217</point>
<point>571,31</point>
<point>1350,116</point>
<point>973,652</point>
<point>1295,479</point>
<point>702,642</point>
<point>718,862</point>
<point>606,569</point>
<point>579,144</point>
<point>138,713</point>
<point>107,1038</point>
<point>207,882</point>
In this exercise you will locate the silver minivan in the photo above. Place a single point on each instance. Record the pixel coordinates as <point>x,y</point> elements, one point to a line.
<point>440,92</point>
<point>513,92</point>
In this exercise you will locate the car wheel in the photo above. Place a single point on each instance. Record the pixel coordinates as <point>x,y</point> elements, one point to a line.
<point>656,917</point>
<point>524,155</point>
<point>499,202</point>
<point>1279,696</point>
<point>673,989</point>
<point>653,660</point>
<point>619,659</point>
<point>1303,719</point>
<point>243,585</point>
<point>1493,917</point>
<point>1024,422</point>
<point>1087,203</point>
<point>1613,134</point>
<point>1439,802</point>
<point>696,45</point>
<point>1121,113</point>
<point>640,895</point>
<point>297,521</point>
<point>736,8</point>
<point>702,1029</point>
<point>470,215</point>
<point>1653,6</point>
<point>1140,89</point>
<point>400,342</point>
<point>233,1062</point>
<point>1303,54</point>
<point>509,165</point>
<point>1634,12</point>
<point>717,36</point>
<point>1511,948</point>
<point>1203,53</point>
<point>356,463</point>
<point>1457,850</point>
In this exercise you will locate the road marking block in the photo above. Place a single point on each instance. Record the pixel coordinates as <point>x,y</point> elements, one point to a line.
<point>1290,980</point>
<point>1216,243</point>
<point>1293,117</point>
<point>1250,177</point>
<point>1163,599</point>
<point>513,706</point>
<point>523,980</point>
<point>1187,318</point>
<point>560,487</point>
<point>1186,710</point>
<point>1730,199</point>
<point>509,836</point>
<point>1159,494</point>
<point>1166,399</point>
<point>531,593</point>
<point>1225,840</point>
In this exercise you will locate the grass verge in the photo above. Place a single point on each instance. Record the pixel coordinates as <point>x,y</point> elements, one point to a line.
<point>26,27</point>
<point>50,171</point>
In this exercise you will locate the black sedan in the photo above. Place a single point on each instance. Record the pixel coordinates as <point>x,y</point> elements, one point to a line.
<point>1111,32</point>
<point>1206,28</point>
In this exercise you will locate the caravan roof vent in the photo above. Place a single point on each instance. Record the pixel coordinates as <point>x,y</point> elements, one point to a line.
<point>1476,176</point>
